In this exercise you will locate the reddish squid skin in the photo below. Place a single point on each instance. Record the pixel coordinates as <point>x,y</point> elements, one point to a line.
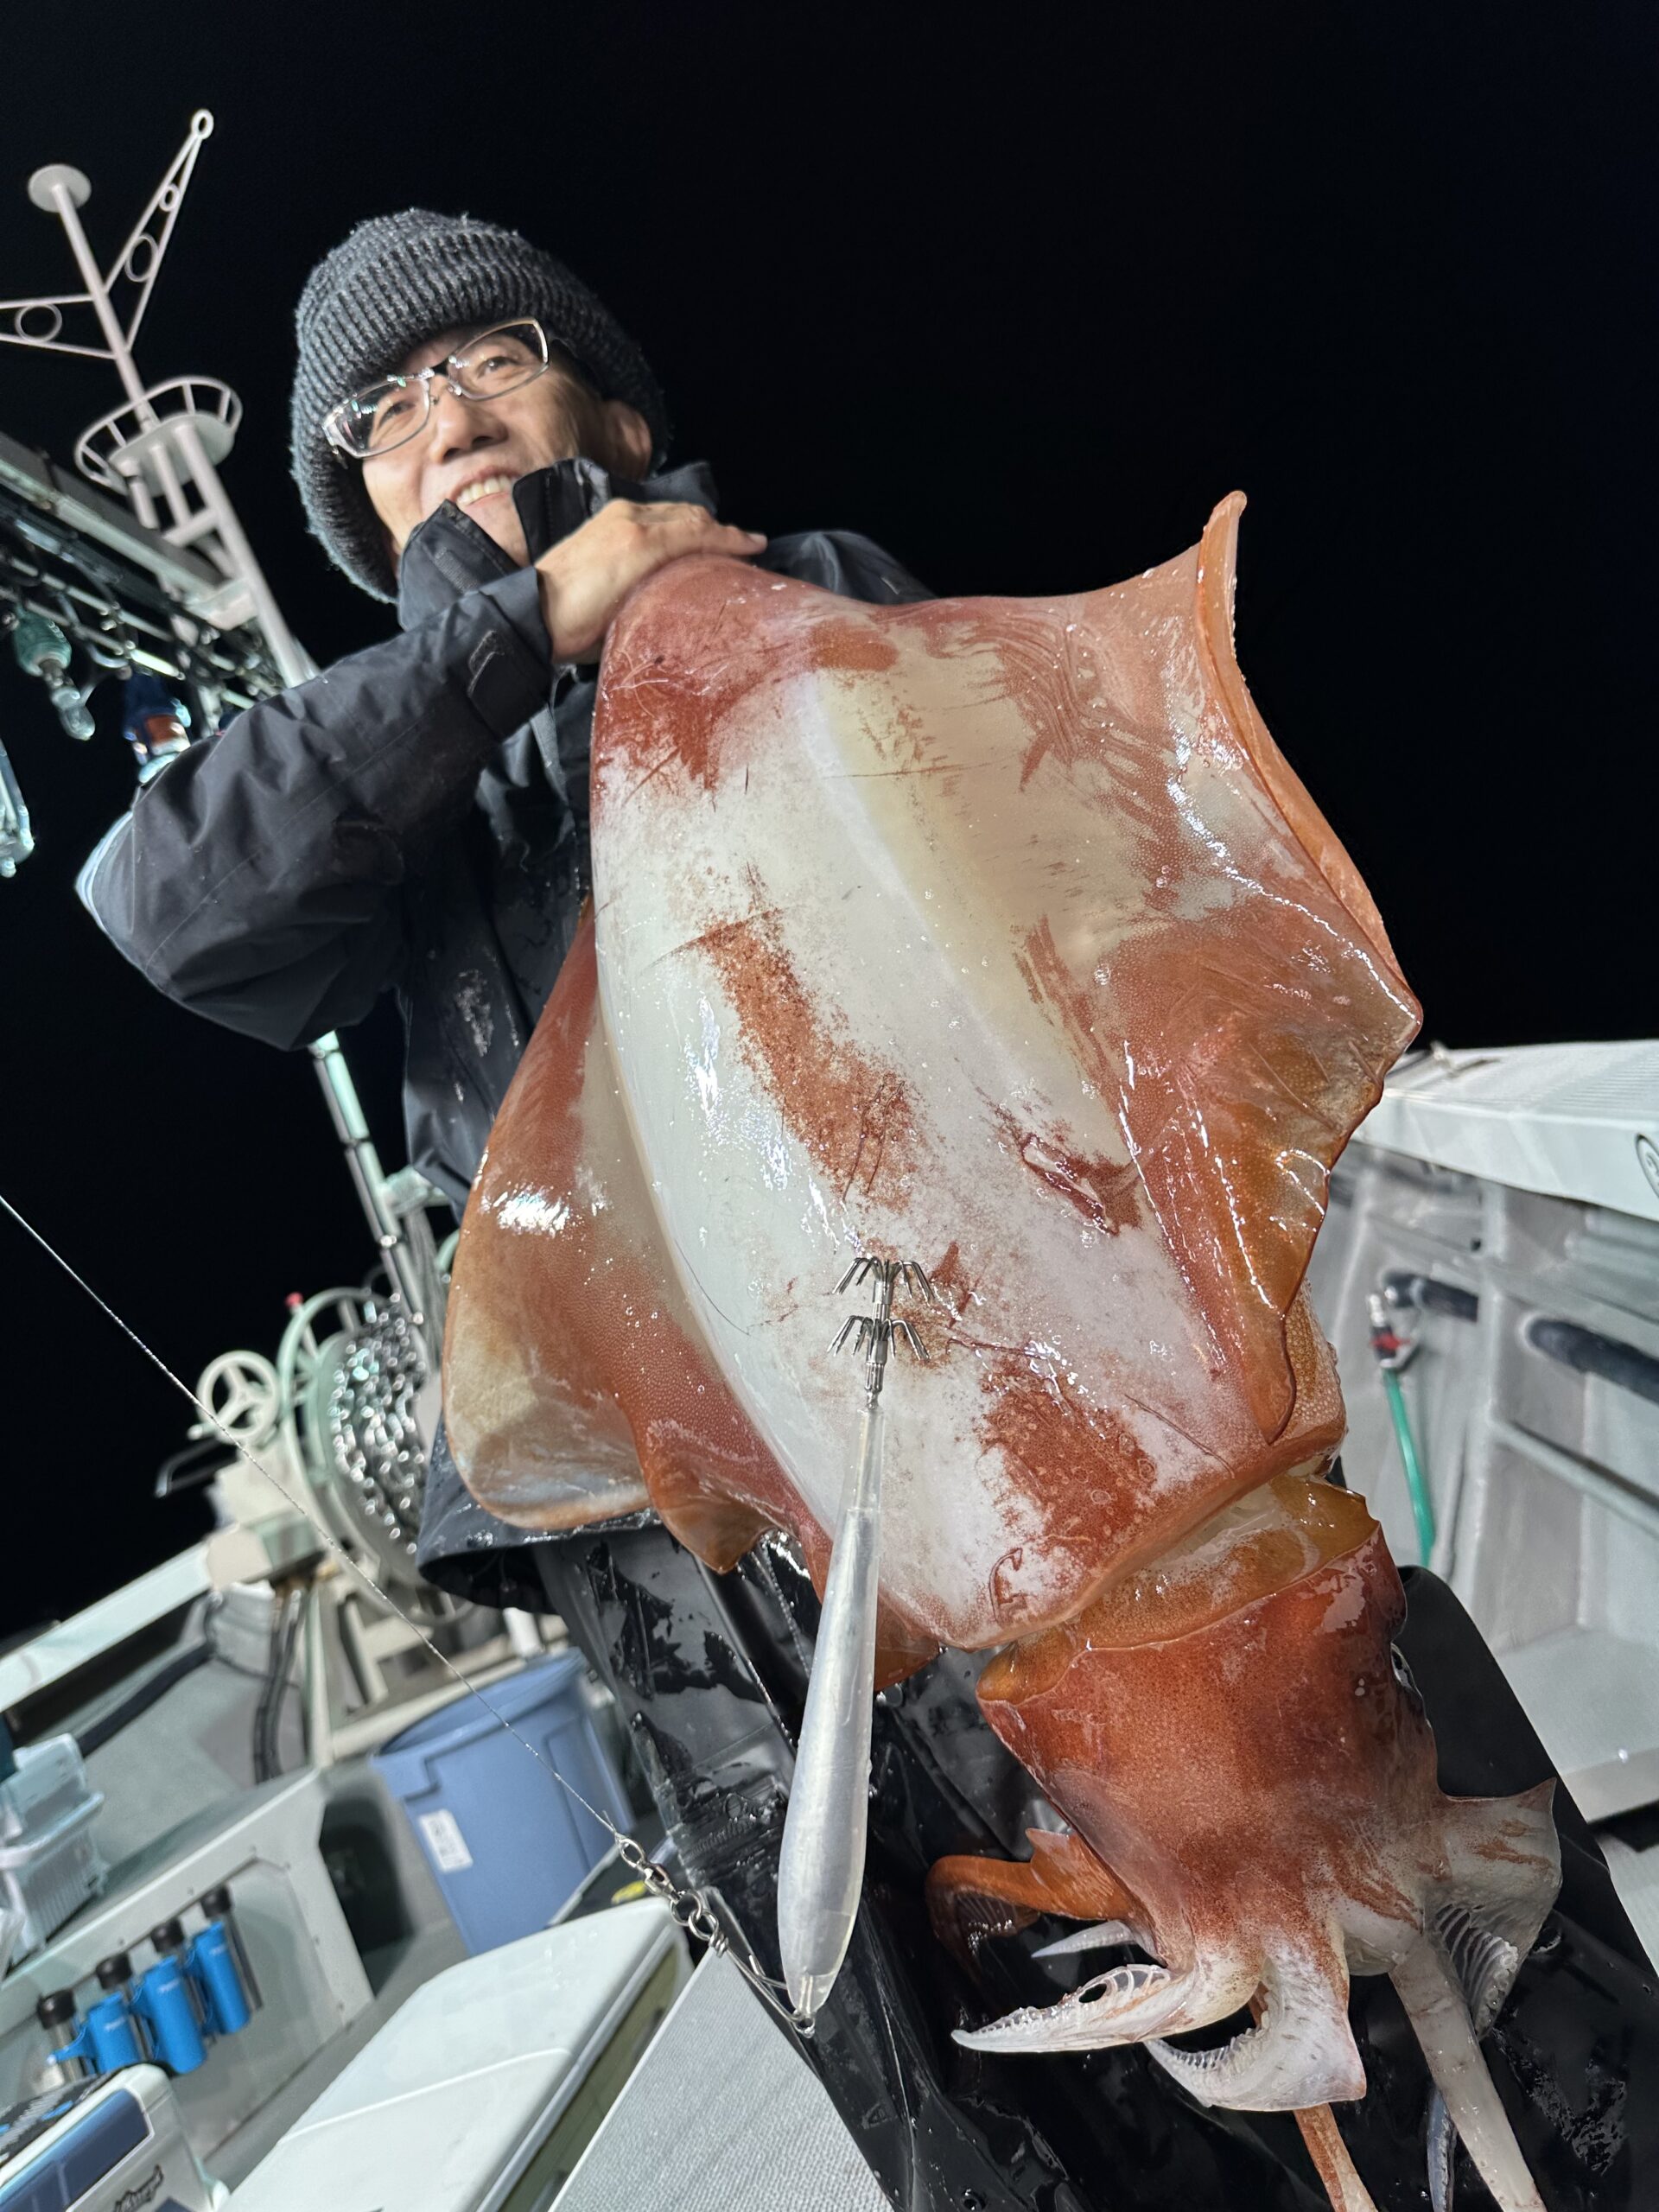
<point>1251,1779</point>
<point>969,1899</point>
<point>1294,1742</point>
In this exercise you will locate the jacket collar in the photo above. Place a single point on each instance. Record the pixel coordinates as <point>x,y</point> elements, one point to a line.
<point>449,554</point>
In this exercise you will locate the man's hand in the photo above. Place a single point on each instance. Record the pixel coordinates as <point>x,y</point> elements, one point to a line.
<point>586,577</point>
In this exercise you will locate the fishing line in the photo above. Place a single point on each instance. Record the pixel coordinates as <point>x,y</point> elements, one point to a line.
<point>331,1543</point>
<point>688,1908</point>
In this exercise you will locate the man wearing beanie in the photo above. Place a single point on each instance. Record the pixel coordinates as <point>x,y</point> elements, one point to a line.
<point>475,436</point>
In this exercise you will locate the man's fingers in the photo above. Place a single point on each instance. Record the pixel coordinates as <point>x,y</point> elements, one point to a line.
<point>586,577</point>
<point>676,531</point>
<point>721,538</point>
<point>696,522</point>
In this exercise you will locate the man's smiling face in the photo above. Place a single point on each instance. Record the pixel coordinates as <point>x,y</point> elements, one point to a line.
<point>473,453</point>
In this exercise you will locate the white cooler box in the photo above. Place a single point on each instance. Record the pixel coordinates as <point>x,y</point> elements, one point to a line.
<point>49,1864</point>
<point>482,2093</point>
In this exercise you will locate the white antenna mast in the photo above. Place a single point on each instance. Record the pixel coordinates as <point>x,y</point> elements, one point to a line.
<point>162,448</point>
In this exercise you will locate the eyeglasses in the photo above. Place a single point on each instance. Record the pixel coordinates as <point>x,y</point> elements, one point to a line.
<point>391,411</point>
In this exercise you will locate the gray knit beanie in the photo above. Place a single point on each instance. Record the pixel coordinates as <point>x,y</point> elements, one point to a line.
<point>397,281</point>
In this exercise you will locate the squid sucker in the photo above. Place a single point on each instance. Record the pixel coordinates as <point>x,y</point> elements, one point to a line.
<point>997,936</point>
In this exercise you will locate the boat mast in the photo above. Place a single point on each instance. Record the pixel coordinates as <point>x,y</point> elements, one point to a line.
<point>160,450</point>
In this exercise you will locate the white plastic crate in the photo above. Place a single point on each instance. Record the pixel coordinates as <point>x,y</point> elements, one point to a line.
<point>49,1864</point>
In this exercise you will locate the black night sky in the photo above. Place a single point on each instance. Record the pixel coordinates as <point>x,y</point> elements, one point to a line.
<point>1021,301</point>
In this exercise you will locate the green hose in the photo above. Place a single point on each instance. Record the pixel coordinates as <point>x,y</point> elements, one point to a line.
<point>1416,1482</point>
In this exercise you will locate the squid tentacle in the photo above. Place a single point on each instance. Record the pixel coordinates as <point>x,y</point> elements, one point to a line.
<point>1428,1989</point>
<point>1331,2161</point>
<point>1128,2003</point>
<point>1485,1962</point>
<point>1505,1860</point>
<point>1487,1966</point>
<point>1302,2052</point>
<point>1504,1863</point>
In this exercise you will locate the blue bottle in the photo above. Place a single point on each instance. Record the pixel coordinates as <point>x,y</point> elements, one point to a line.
<point>111,2027</point>
<point>60,2063</point>
<point>108,2038</point>
<point>218,1977</point>
<point>165,2003</point>
<point>216,1905</point>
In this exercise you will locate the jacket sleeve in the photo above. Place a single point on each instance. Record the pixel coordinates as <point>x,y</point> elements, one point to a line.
<point>844,560</point>
<point>259,879</point>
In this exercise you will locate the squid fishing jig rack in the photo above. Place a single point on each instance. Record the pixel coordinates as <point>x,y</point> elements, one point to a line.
<point>874,1334</point>
<point>821,1866</point>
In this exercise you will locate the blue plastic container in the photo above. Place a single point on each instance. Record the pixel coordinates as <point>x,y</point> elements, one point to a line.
<point>505,1842</point>
<point>163,2000</point>
<point>211,1964</point>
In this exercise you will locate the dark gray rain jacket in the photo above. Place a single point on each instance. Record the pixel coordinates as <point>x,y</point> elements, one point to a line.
<point>414,819</point>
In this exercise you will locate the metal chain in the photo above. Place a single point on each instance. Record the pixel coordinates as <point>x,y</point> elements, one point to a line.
<point>693,1912</point>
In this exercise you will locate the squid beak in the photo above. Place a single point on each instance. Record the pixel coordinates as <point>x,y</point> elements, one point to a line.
<point>1100,1937</point>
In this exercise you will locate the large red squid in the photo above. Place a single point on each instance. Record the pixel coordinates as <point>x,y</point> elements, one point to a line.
<point>998,936</point>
